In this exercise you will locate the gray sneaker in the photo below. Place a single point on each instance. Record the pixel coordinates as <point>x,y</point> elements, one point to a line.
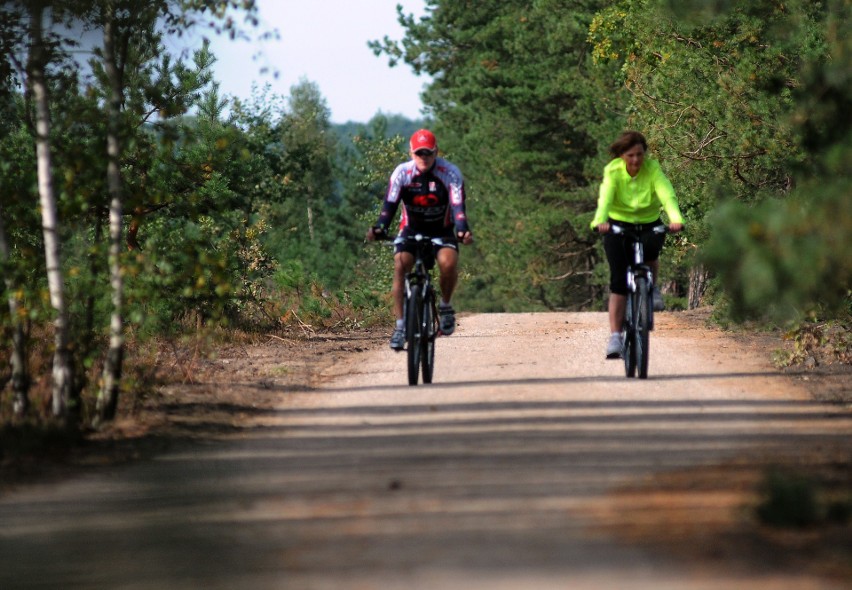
<point>614,348</point>
<point>657,297</point>
<point>447,320</point>
<point>398,339</point>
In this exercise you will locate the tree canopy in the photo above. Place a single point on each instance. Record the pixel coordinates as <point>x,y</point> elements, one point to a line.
<point>527,95</point>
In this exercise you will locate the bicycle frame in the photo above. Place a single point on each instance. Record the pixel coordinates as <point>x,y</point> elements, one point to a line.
<point>419,273</point>
<point>638,268</point>
<point>420,309</point>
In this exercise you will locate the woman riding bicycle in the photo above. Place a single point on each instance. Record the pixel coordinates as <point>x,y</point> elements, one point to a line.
<point>632,192</point>
<point>431,190</point>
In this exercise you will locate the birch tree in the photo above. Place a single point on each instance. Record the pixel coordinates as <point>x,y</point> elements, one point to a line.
<point>121,21</point>
<point>10,34</point>
<point>63,369</point>
<point>18,358</point>
<point>108,396</point>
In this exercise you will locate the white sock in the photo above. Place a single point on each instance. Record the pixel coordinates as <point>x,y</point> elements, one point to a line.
<point>444,303</point>
<point>400,324</point>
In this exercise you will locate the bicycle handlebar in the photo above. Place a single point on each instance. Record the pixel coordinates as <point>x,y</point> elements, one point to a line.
<point>620,230</point>
<point>417,238</point>
<point>381,235</point>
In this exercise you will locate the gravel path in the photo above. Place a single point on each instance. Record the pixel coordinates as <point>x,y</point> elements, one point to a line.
<point>522,466</point>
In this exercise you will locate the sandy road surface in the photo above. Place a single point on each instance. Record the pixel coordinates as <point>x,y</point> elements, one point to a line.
<point>524,466</point>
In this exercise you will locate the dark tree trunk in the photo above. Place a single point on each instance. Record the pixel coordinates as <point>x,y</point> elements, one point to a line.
<point>698,277</point>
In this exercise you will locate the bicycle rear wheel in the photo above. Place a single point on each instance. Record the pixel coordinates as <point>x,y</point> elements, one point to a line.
<point>628,337</point>
<point>643,325</point>
<point>428,333</point>
<point>413,309</point>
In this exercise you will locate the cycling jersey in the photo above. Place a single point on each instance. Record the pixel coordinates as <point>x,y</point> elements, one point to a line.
<point>433,201</point>
<point>635,199</point>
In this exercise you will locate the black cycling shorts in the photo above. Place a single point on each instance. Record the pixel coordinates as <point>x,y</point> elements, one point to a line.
<point>619,252</point>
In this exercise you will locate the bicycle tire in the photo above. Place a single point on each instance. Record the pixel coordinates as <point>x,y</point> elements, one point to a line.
<point>412,333</point>
<point>429,331</point>
<point>643,326</point>
<point>629,351</point>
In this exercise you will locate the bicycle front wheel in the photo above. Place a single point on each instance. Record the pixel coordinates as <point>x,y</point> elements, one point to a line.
<point>643,325</point>
<point>429,330</point>
<point>413,311</point>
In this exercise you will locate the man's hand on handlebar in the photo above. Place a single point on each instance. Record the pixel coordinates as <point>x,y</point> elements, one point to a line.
<point>376,233</point>
<point>675,227</point>
<point>465,238</point>
<point>603,228</point>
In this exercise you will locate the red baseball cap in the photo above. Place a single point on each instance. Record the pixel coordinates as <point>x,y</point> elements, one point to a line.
<point>423,140</point>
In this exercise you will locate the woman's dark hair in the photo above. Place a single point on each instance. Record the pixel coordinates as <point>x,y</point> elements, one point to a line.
<point>626,141</point>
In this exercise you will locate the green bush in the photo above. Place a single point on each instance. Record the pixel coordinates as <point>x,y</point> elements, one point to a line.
<point>791,500</point>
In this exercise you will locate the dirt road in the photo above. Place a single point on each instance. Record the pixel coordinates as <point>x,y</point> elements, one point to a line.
<point>531,462</point>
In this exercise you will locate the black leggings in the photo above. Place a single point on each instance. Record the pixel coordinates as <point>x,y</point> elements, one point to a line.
<point>619,252</point>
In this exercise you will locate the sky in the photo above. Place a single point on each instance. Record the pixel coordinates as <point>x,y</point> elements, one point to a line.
<point>325,42</point>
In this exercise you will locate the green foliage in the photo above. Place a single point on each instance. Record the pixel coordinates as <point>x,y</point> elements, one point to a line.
<point>384,125</point>
<point>368,164</point>
<point>788,501</point>
<point>713,95</point>
<point>516,105</point>
<point>738,102</point>
<point>784,259</point>
<point>301,301</point>
<point>717,88</point>
<point>259,218</point>
<point>189,186</point>
<point>302,200</point>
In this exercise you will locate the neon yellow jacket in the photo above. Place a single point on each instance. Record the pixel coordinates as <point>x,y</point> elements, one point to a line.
<point>635,199</point>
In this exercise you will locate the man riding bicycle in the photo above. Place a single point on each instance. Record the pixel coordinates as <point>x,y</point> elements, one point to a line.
<point>431,190</point>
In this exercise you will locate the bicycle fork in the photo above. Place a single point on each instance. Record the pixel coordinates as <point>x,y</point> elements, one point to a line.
<point>407,300</point>
<point>640,268</point>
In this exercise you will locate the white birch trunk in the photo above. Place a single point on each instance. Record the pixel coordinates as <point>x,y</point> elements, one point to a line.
<point>18,357</point>
<point>63,375</point>
<point>108,396</point>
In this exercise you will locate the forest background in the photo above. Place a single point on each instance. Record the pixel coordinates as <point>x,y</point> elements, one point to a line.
<point>139,206</point>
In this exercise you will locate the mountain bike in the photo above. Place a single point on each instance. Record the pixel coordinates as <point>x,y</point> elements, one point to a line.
<point>420,311</point>
<point>639,315</point>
